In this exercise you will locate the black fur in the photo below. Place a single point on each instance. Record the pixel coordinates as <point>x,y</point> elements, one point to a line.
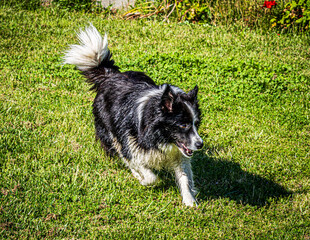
<point>115,108</point>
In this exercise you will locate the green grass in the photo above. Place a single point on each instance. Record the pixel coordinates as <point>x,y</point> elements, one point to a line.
<point>252,176</point>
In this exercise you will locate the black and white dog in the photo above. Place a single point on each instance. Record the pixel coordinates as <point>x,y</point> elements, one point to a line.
<point>149,126</point>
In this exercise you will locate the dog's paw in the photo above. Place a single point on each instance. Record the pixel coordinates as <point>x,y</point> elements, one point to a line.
<point>136,175</point>
<point>189,201</point>
<point>149,180</point>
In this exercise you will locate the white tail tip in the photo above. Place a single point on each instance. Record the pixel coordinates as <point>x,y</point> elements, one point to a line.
<point>90,51</point>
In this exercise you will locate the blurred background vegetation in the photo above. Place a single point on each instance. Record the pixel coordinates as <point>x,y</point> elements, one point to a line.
<point>284,15</point>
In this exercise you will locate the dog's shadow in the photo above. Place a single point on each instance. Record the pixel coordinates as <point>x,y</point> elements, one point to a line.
<point>216,179</point>
<point>225,179</point>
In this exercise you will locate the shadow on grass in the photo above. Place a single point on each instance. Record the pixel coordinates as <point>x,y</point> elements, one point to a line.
<point>225,179</point>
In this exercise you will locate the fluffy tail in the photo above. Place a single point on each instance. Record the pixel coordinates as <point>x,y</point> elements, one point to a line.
<point>91,52</point>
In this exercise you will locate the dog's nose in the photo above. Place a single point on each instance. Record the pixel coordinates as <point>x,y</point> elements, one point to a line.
<point>199,144</point>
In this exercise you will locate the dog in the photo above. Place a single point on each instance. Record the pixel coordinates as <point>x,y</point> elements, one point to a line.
<point>150,127</point>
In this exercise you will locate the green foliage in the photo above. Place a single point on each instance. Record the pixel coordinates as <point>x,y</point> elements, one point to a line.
<point>185,10</point>
<point>76,5</point>
<point>67,5</point>
<point>296,14</point>
<point>22,4</point>
<point>194,11</point>
<point>285,15</point>
<point>249,13</point>
<point>202,11</point>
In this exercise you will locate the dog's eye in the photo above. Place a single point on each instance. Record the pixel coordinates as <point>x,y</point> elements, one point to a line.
<point>184,126</point>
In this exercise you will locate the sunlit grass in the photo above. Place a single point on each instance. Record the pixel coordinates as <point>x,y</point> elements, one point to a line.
<point>252,176</point>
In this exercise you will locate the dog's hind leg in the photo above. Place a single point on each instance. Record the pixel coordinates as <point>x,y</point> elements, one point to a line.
<point>149,178</point>
<point>105,138</point>
<point>145,175</point>
<point>184,179</point>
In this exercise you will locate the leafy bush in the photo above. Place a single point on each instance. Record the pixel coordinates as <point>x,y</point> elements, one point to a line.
<point>182,10</point>
<point>23,4</point>
<point>294,15</point>
<point>252,13</point>
<point>193,10</point>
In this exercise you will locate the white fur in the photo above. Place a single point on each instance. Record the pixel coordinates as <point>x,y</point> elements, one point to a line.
<point>184,179</point>
<point>143,101</point>
<point>90,52</point>
<point>168,157</point>
<point>195,137</point>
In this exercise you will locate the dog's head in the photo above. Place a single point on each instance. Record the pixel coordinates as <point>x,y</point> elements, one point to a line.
<point>182,118</point>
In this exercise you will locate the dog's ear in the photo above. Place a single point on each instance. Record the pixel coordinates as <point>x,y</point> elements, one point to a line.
<point>167,99</point>
<point>192,94</point>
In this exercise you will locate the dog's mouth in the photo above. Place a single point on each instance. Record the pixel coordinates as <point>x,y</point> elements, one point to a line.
<point>184,150</point>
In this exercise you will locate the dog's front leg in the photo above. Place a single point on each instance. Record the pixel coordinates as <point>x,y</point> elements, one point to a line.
<point>184,179</point>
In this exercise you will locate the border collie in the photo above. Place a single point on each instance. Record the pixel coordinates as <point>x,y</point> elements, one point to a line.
<point>148,126</point>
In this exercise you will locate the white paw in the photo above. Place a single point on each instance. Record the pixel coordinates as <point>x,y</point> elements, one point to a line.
<point>136,175</point>
<point>149,180</point>
<point>189,201</point>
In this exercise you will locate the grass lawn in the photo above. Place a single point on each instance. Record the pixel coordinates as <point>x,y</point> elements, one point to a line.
<point>253,174</point>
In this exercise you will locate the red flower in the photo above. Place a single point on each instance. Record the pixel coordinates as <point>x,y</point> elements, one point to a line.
<point>269,4</point>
